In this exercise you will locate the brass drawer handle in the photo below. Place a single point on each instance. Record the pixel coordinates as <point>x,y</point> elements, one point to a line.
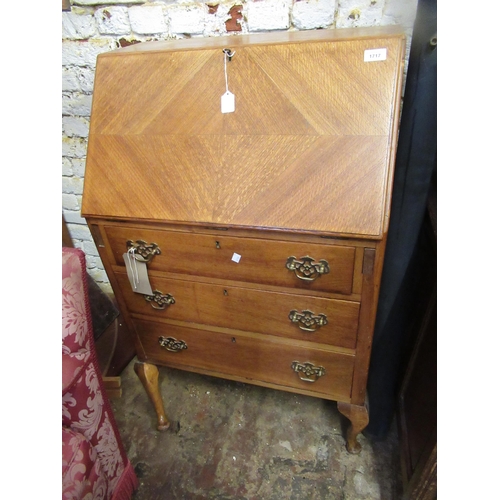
<point>307,371</point>
<point>171,344</point>
<point>307,321</point>
<point>143,251</point>
<point>159,300</point>
<point>305,269</point>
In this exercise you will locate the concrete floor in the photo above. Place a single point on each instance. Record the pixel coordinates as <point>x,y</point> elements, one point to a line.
<point>233,441</point>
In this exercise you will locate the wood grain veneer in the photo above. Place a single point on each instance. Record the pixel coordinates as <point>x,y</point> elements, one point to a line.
<point>316,104</point>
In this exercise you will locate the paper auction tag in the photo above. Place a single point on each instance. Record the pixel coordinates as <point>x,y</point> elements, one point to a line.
<point>137,273</point>
<point>227,102</point>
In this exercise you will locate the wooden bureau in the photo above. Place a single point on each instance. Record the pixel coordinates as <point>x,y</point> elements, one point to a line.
<point>261,230</point>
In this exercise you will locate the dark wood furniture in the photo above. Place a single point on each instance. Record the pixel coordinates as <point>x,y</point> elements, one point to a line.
<point>263,230</point>
<point>417,401</point>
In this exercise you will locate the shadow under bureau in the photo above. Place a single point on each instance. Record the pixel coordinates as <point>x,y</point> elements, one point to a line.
<point>246,240</point>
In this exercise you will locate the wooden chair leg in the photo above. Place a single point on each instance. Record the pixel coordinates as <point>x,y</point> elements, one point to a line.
<point>148,375</point>
<point>358,417</point>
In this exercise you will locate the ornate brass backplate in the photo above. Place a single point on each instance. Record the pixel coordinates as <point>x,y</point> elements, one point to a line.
<point>306,269</point>
<point>171,344</point>
<point>143,251</point>
<point>307,321</point>
<point>307,371</point>
<point>159,300</point>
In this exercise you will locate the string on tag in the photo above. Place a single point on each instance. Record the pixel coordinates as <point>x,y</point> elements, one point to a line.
<point>227,99</point>
<point>227,55</point>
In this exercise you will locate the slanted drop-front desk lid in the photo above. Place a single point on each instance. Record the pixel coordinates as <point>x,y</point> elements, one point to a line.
<point>309,146</point>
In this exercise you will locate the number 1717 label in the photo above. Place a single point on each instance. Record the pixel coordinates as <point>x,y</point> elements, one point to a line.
<point>372,55</point>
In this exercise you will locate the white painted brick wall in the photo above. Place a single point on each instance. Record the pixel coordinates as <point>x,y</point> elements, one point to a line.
<point>313,14</point>
<point>78,26</point>
<point>84,53</point>
<point>107,2</point>
<point>148,19</point>
<point>359,13</point>
<point>187,18</point>
<point>266,15</point>
<point>74,147</point>
<point>96,26</point>
<point>113,21</point>
<point>75,126</point>
<point>77,79</point>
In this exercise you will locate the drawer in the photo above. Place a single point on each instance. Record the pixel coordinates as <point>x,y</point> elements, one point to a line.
<point>253,358</point>
<point>298,317</point>
<point>260,261</point>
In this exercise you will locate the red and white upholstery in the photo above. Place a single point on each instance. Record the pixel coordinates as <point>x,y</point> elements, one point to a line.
<point>94,463</point>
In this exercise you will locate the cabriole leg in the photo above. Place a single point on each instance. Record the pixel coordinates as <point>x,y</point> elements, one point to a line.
<point>358,417</point>
<point>148,375</point>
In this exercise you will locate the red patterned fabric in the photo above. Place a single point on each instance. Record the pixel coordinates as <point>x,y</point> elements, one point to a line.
<point>94,463</point>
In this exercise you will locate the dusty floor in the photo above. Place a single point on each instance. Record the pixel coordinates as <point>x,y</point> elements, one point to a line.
<point>233,441</point>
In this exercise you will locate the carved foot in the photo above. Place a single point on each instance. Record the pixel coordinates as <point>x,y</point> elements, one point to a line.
<point>148,375</point>
<point>358,416</point>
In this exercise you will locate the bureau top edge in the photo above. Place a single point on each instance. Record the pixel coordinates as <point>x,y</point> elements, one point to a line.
<point>266,38</point>
<point>258,230</point>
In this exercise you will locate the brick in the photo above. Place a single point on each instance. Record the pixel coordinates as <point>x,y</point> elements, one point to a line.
<point>112,21</point>
<point>79,232</point>
<point>74,147</point>
<point>401,12</point>
<point>90,249</point>
<point>147,20</point>
<point>86,78</point>
<point>84,53</point>
<point>235,18</point>
<point>75,126</point>
<point>70,80</point>
<point>265,15</point>
<point>72,185</point>
<point>76,104</point>
<point>98,275</point>
<point>72,217</point>
<point>77,79</point>
<point>70,202</point>
<point>67,167</point>
<point>187,18</point>
<point>78,167</point>
<point>313,14</point>
<point>107,2</point>
<point>131,40</point>
<point>77,27</point>
<point>77,244</point>
<point>92,260</point>
<point>359,13</point>
<point>215,18</point>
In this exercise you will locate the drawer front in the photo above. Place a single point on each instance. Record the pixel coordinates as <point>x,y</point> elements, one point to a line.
<point>330,268</point>
<point>328,375</point>
<point>299,317</point>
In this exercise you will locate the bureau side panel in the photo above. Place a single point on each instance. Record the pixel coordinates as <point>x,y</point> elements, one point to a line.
<point>372,271</point>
